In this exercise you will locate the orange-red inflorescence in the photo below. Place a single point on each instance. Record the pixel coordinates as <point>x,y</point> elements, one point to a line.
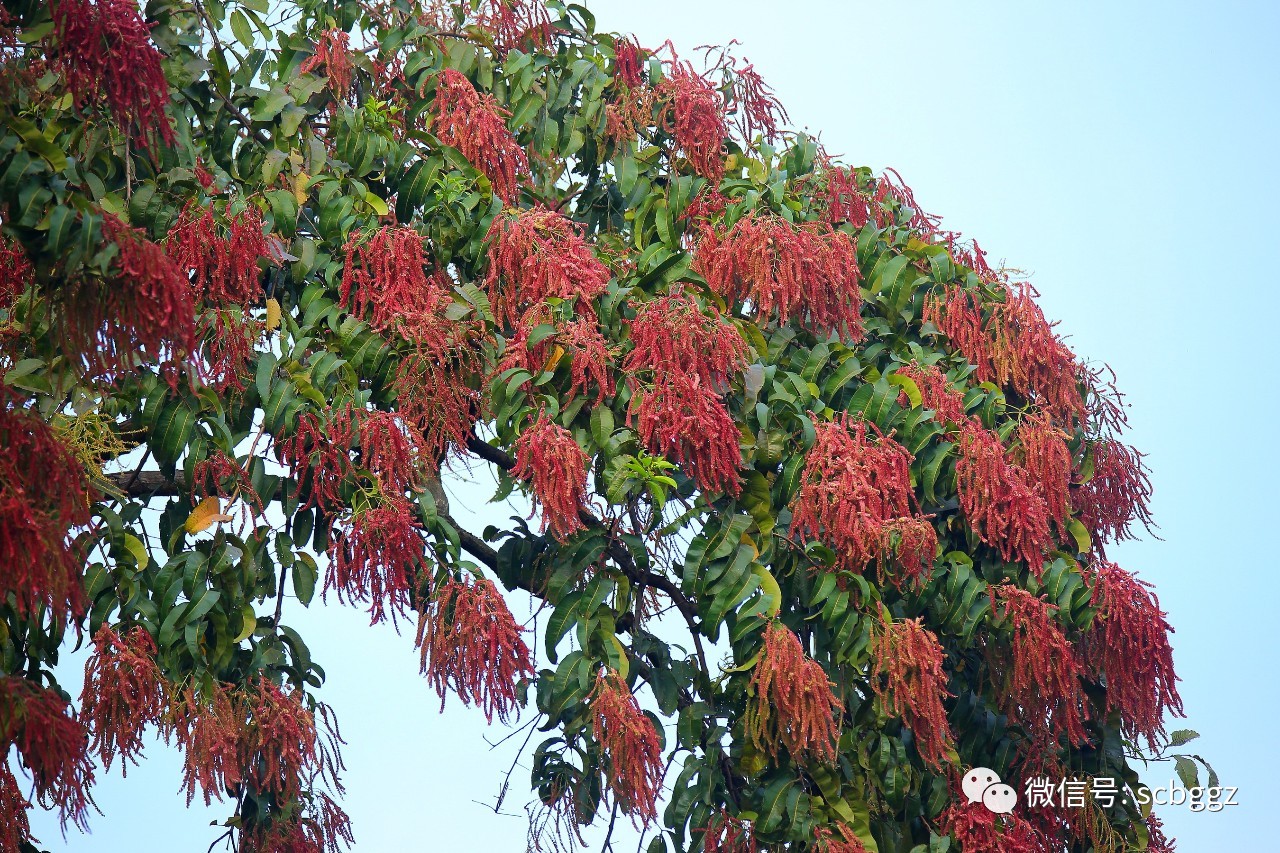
<point>40,505</point>
<point>791,703</point>
<point>1157,841</point>
<point>16,272</point>
<point>318,456</point>
<point>628,62</point>
<point>104,52</point>
<point>685,421</point>
<point>698,121</point>
<point>838,838</point>
<point>375,555</point>
<point>1129,643</point>
<point>538,254</point>
<point>223,270</point>
<point>279,747</point>
<point>911,683</point>
<point>471,642</point>
<point>515,24</point>
<point>844,200</point>
<point>208,727</point>
<point>936,392</point>
<point>385,279</point>
<point>333,54</point>
<point>1042,452</point>
<point>145,311</point>
<point>476,125</point>
<point>1001,504</point>
<point>1116,496</point>
<point>228,347</point>
<point>324,828</point>
<point>436,400</point>
<point>977,828</point>
<point>672,336</point>
<point>853,485</point>
<point>388,449</point>
<point>589,358</point>
<point>755,108</point>
<point>552,462</point>
<point>15,827</point>
<point>806,272</point>
<point>913,542</point>
<point>124,692</point>
<point>725,834</point>
<point>632,746</point>
<point>1040,673</point>
<point>222,476</point>
<point>52,744</point>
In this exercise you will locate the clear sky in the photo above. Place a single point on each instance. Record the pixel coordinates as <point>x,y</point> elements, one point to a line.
<point>1124,154</point>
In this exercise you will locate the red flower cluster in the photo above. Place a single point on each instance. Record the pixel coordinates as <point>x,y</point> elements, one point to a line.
<point>1043,454</point>
<point>1002,506</point>
<point>222,476</point>
<point>845,201</point>
<point>1040,672</point>
<point>725,834</point>
<point>388,450</point>
<point>672,337</point>
<point>223,269</point>
<point>375,557</point>
<point>1116,495</point>
<point>325,829</point>
<point>52,744</point>
<point>471,642</point>
<point>144,311</point>
<point>552,462</point>
<point>1129,643</point>
<point>476,125</point>
<point>333,54</point>
<point>103,50</point>
<point>318,456</point>
<point>590,360</point>
<point>685,421</point>
<point>698,123</point>
<point>39,506</point>
<point>977,828</point>
<point>123,693</point>
<point>15,828</point>
<point>279,746</point>
<point>434,398</point>
<point>1015,346</point>
<point>892,191</point>
<point>538,254</point>
<point>631,744</point>
<point>16,272</point>
<point>807,272</point>
<point>1157,842</point>
<point>515,24</point>
<point>628,57</point>
<point>790,703</point>
<point>910,680</point>
<point>755,108</point>
<point>854,489</point>
<point>228,347</point>
<point>936,392</point>
<point>839,838</point>
<point>974,258</point>
<point>913,542</point>
<point>385,278</point>
<point>208,729</point>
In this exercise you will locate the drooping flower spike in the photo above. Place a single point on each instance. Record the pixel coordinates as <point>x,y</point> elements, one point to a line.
<point>910,681</point>
<point>1116,496</point>
<point>333,54</point>
<point>686,422</point>
<point>207,725</point>
<point>725,834</point>
<point>791,704</point>
<point>222,267</point>
<point>631,745</point>
<point>123,693</point>
<point>471,643</point>
<point>52,744</point>
<point>697,119</point>
<point>551,461</point>
<point>476,125</point>
<point>375,556</point>
<point>671,335</point>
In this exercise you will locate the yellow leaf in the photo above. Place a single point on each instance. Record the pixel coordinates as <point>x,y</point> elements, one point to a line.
<point>300,193</point>
<point>273,315</point>
<point>206,514</point>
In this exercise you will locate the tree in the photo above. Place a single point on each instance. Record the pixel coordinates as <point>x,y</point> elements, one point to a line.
<point>815,482</point>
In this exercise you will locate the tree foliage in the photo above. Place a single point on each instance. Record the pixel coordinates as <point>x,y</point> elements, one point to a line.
<point>823,498</point>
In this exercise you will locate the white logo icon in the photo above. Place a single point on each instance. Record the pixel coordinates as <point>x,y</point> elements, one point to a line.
<point>999,799</point>
<point>978,780</point>
<point>983,785</point>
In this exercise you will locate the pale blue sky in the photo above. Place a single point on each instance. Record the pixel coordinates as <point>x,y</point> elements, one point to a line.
<point>1124,153</point>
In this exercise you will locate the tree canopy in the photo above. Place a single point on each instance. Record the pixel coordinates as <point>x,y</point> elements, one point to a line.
<point>822,499</point>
